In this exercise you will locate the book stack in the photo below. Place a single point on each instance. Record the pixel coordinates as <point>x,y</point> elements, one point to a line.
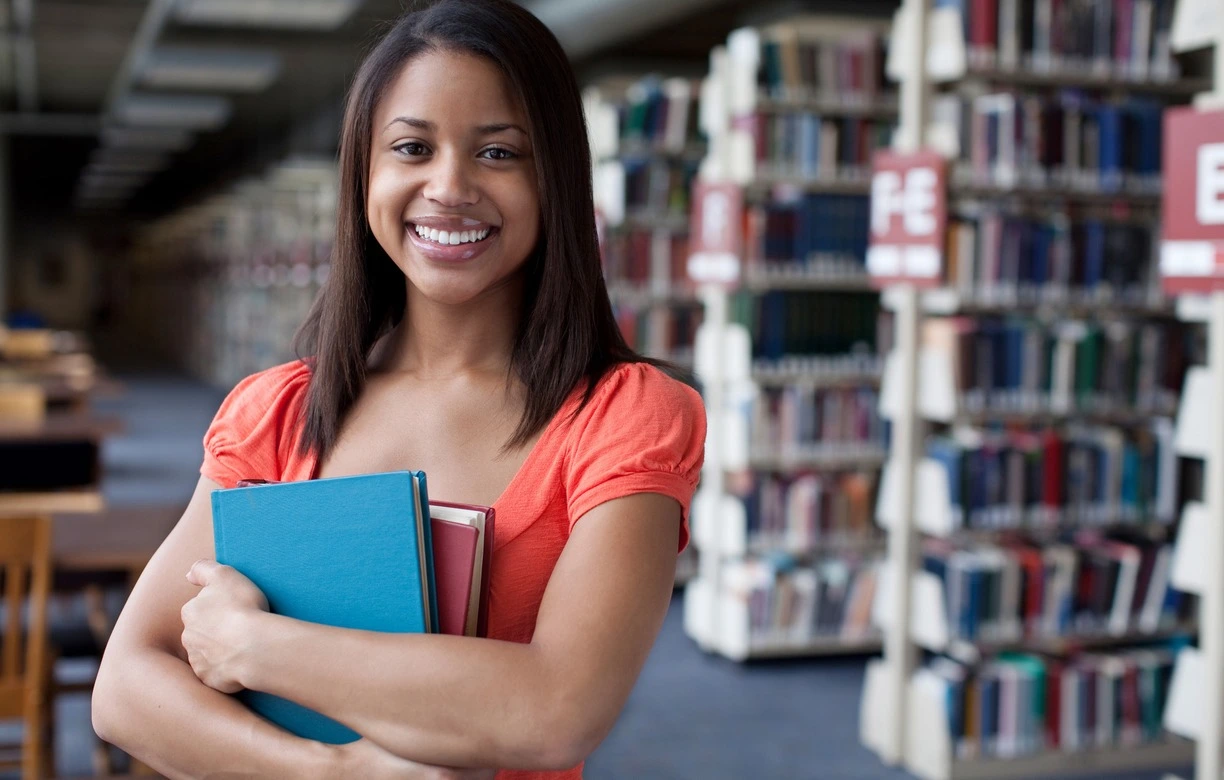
<point>1088,476</point>
<point>409,566</point>
<point>816,235</point>
<point>1091,585</point>
<point>1021,703</point>
<point>793,605</point>
<point>786,323</point>
<point>1125,41</point>
<point>804,106</point>
<point>1073,367</point>
<point>1067,141</point>
<point>646,150</point>
<point>804,513</point>
<point>804,425</point>
<point>998,256</point>
<point>1048,484</point>
<point>824,107</point>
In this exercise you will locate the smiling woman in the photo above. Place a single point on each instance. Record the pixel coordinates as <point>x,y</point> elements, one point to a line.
<point>465,331</point>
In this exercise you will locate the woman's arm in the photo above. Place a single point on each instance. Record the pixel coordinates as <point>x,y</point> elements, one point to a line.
<point>475,702</point>
<point>147,700</point>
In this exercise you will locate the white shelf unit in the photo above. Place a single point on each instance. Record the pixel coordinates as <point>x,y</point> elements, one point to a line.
<point>904,713</point>
<point>618,111</point>
<point>715,615</point>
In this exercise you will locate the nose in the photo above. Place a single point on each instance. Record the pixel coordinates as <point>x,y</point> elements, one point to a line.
<point>450,182</point>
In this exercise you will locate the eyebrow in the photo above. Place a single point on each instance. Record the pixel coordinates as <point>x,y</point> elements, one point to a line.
<point>424,124</point>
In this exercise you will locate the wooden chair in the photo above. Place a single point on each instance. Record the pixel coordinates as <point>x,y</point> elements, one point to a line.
<point>25,667</point>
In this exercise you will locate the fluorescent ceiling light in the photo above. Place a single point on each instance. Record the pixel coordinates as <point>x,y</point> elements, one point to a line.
<point>188,112</point>
<point>231,70</point>
<point>169,140</point>
<point>284,14</point>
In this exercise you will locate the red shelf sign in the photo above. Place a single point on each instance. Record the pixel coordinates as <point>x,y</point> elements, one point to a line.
<point>714,256</point>
<point>909,215</point>
<point>1192,229</point>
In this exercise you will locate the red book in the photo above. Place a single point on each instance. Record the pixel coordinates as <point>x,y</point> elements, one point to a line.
<point>463,553</point>
<point>1034,569</point>
<point>1053,704</point>
<point>1132,715</point>
<point>1052,470</point>
<point>984,25</point>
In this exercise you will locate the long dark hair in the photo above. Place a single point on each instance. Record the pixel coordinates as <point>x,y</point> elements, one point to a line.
<point>567,333</point>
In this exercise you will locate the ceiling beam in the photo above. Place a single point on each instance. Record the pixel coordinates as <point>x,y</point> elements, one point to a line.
<point>586,26</point>
<point>155,18</point>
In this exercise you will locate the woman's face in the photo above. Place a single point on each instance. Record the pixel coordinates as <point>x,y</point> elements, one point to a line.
<point>452,196</point>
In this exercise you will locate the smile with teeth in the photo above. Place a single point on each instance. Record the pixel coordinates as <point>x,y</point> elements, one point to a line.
<point>452,238</point>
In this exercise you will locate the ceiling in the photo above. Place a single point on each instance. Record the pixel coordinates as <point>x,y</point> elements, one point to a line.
<point>79,47</point>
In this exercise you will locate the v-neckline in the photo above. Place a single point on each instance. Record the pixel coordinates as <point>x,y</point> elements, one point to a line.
<point>549,428</point>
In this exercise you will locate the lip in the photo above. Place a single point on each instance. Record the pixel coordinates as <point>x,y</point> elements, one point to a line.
<point>444,253</point>
<point>448,223</point>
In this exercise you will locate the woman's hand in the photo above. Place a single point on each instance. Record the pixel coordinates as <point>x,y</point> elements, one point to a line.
<point>217,624</point>
<point>365,759</point>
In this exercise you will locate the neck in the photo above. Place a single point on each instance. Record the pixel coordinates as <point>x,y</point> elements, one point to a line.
<point>440,341</point>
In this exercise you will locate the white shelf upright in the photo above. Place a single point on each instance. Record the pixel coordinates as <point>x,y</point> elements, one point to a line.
<point>1196,699</point>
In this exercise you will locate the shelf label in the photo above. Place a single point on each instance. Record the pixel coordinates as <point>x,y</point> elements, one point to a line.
<point>1192,249</point>
<point>909,215</point>
<point>716,242</point>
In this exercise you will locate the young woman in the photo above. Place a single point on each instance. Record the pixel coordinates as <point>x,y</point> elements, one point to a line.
<point>465,331</point>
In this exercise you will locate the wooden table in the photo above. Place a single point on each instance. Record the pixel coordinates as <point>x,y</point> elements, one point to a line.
<point>64,426</point>
<point>116,539</point>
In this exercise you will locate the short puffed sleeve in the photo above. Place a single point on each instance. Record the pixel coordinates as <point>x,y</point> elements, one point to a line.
<point>641,432</point>
<point>256,431</point>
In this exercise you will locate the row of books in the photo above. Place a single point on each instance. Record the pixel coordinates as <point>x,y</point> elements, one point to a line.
<point>1123,38</point>
<point>659,331</point>
<point>786,322</point>
<point>812,146</point>
<point>241,322</point>
<point>1067,140</point>
<point>800,418</point>
<point>802,513</point>
<point>658,114</point>
<point>244,266</point>
<point>798,64</point>
<point>1006,257</point>
<point>1079,475</point>
<point>1097,586</point>
<point>646,258</point>
<point>658,186</point>
<point>1019,703</point>
<point>789,602</point>
<point>1027,365</point>
<point>814,226</point>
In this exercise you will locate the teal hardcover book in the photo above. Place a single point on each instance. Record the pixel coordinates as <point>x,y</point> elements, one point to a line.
<point>351,552</point>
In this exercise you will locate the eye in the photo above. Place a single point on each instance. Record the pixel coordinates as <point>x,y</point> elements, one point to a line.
<point>498,153</point>
<point>410,148</point>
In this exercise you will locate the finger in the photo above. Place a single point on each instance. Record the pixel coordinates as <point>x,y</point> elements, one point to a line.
<point>203,572</point>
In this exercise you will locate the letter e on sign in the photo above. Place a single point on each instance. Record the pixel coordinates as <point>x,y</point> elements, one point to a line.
<point>909,215</point>
<point>1192,227</point>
